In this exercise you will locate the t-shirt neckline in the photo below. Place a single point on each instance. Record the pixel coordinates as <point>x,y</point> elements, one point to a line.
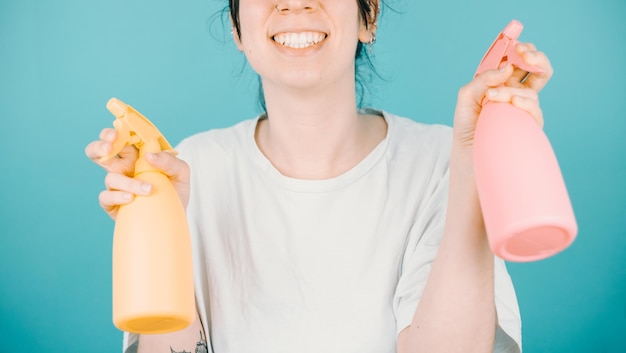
<point>322,185</point>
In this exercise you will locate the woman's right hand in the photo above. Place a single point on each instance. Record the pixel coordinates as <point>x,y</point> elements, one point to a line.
<point>121,187</point>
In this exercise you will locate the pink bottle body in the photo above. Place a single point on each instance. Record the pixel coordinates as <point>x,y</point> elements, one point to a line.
<point>526,207</point>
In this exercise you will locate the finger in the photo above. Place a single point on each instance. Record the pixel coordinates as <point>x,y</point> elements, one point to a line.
<point>110,200</point>
<point>97,149</point>
<point>128,153</point>
<point>525,99</point>
<point>519,76</point>
<point>108,134</point>
<point>532,57</point>
<point>475,90</point>
<point>530,106</point>
<point>527,46</point>
<point>171,166</point>
<point>493,78</point>
<point>124,162</point>
<point>120,182</point>
<point>506,94</point>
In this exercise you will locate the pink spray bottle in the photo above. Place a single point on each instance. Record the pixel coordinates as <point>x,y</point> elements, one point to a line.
<point>527,211</point>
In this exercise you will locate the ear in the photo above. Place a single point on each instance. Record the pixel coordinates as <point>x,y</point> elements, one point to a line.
<point>235,34</point>
<point>368,30</point>
<point>237,40</point>
<point>367,34</point>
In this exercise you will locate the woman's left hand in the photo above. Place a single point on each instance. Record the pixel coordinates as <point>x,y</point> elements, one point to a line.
<point>504,85</point>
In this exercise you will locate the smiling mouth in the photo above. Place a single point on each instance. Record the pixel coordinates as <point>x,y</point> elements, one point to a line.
<point>300,40</point>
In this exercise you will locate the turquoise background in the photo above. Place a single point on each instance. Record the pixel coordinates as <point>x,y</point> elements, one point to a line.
<point>60,61</point>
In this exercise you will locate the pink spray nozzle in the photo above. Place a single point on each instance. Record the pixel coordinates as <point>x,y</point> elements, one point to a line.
<point>513,30</point>
<point>503,51</point>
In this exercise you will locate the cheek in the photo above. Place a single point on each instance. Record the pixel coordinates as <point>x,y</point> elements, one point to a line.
<point>253,14</point>
<point>254,55</point>
<point>252,25</point>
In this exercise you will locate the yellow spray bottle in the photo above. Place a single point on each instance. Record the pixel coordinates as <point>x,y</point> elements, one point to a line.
<point>152,267</point>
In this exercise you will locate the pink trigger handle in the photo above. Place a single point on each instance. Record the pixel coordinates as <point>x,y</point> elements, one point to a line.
<point>503,51</point>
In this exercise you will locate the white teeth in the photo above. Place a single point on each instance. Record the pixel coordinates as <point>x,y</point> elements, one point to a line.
<point>299,40</point>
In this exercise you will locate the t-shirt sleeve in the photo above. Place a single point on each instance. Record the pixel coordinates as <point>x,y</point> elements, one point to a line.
<point>422,244</point>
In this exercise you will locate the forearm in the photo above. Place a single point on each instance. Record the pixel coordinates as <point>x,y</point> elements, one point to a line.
<point>180,341</point>
<point>456,312</point>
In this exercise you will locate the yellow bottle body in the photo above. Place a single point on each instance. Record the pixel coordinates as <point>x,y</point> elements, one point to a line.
<point>152,265</point>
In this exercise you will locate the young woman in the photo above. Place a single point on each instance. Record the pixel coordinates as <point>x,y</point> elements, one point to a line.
<point>319,227</point>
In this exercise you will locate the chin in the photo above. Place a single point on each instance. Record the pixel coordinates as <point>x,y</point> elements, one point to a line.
<point>295,78</point>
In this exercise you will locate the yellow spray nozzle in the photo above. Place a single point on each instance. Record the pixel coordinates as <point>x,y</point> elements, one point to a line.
<point>132,129</point>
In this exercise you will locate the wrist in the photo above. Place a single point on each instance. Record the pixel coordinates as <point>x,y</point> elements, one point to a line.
<point>462,162</point>
<point>464,212</point>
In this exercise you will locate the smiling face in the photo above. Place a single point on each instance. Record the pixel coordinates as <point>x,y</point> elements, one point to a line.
<point>301,43</point>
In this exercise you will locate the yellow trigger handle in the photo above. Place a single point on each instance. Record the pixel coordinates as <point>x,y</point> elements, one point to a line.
<point>132,129</point>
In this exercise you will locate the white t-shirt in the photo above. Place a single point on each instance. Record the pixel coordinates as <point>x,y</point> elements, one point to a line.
<point>285,265</point>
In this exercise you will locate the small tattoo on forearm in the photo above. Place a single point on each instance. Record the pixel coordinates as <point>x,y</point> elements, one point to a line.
<point>201,346</point>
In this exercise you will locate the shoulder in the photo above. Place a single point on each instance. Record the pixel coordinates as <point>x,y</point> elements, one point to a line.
<point>222,142</point>
<point>416,140</point>
<point>407,130</point>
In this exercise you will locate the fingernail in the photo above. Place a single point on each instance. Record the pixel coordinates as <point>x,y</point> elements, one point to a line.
<point>492,92</point>
<point>127,196</point>
<point>521,47</point>
<point>110,135</point>
<point>503,68</point>
<point>151,157</point>
<point>146,188</point>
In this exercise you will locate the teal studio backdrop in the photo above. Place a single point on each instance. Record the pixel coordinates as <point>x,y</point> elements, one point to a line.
<point>60,61</point>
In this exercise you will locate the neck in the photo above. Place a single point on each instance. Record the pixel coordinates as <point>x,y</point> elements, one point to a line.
<point>315,134</point>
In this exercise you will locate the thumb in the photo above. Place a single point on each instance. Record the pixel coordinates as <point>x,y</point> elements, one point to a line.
<point>174,168</point>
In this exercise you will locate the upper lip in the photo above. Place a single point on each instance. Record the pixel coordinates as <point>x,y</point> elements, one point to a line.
<point>297,30</point>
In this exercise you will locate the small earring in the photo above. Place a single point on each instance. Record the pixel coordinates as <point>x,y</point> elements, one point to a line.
<point>372,42</point>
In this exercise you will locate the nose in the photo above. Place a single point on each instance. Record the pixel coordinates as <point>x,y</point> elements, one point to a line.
<point>285,7</point>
